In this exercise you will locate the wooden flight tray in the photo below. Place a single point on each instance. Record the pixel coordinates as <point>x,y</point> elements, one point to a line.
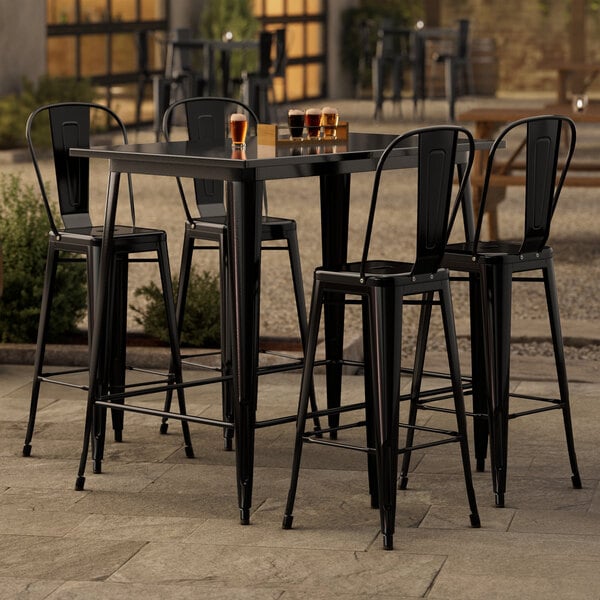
<point>279,135</point>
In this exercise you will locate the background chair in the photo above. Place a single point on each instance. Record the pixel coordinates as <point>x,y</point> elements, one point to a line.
<point>257,88</point>
<point>180,80</point>
<point>70,125</point>
<point>393,57</point>
<point>493,266</point>
<point>206,122</point>
<point>384,287</point>
<point>458,75</point>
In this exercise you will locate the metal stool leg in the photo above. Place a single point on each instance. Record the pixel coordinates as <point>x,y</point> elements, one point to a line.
<point>385,324</point>
<point>561,371</point>
<point>184,280</point>
<point>423,331</point>
<point>459,403</point>
<point>497,290</point>
<point>47,294</point>
<point>305,388</point>
<point>165,278</point>
<point>296,268</point>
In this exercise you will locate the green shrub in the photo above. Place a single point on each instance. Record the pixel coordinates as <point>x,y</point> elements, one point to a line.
<point>15,108</point>
<point>24,238</point>
<point>220,16</point>
<point>202,311</point>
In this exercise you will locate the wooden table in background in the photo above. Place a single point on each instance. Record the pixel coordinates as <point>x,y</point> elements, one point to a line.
<point>566,71</point>
<point>487,121</point>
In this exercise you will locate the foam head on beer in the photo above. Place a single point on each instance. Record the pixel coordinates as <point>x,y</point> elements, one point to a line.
<point>238,125</point>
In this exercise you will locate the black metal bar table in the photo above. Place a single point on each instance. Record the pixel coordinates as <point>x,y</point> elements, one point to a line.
<point>333,164</point>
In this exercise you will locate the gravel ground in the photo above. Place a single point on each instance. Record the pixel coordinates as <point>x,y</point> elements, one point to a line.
<point>575,234</point>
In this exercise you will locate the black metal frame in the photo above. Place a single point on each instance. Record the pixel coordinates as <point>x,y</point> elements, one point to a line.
<point>383,286</point>
<point>206,122</point>
<point>70,125</point>
<point>244,210</point>
<point>492,268</point>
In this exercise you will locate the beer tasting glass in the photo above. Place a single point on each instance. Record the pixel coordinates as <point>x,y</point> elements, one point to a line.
<point>238,126</point>
<point>329,122</point>
<point>295,123</point>
<point>312,120</point>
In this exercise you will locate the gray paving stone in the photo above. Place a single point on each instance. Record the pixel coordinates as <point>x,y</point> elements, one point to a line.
<point>26,589</point>
<point>37,557</point>
<point>107,590</point>
<point>305,570</point>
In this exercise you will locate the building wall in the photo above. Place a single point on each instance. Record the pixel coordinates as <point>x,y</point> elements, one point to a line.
<point>22,42</point>
<point>528,37</point>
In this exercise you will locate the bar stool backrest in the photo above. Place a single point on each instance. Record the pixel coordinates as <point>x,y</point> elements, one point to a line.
<point>436,162</point>
<point>70,126</point>
<point>462,39</point>
<point>544,177</point>
<point>265,44</point>
<point>206,121</point>
<point>280,62</point>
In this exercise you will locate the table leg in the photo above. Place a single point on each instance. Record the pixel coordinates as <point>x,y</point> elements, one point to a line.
<point>335,209</point>
<point>479,375</point>
<point>117,342</point>
<point>244,223</point>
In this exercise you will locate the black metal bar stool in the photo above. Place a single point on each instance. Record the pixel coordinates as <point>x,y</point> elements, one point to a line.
<point>206,121</point>
<point>384,287</point>
<point>70,124</point>
<point>493,267</point>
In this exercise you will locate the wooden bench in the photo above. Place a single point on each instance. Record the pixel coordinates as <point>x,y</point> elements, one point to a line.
<point>486,123</point>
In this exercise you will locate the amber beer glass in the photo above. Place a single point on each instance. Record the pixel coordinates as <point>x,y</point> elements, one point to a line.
<point>329,122</point>
<point>238,126</point>
<point>312,120</point>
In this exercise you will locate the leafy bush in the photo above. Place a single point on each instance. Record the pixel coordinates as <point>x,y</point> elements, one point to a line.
<point>24,238</point>
<point>219,17</point>
<point>202,313</point>
<point>15,108</point>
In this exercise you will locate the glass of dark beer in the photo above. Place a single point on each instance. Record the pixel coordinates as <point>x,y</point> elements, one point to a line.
<point>312,120</point>
<point>238,126</point>
<point>296,123</point>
